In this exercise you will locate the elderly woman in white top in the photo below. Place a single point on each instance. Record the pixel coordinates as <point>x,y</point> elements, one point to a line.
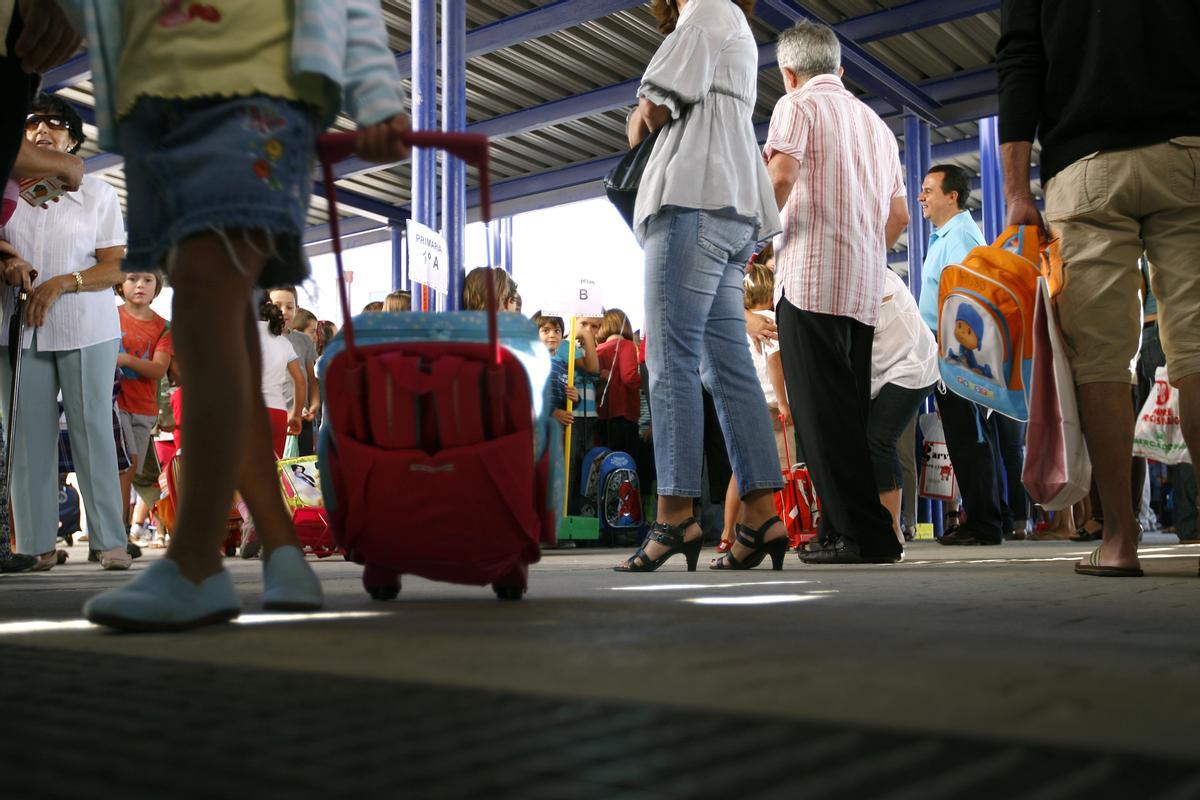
<point>70,346</point>
<point>704,202</point>
<point>904,369</point>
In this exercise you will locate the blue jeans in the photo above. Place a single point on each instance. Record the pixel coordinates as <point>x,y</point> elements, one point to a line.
<point>696,332</point>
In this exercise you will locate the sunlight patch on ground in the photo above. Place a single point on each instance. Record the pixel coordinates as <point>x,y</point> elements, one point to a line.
<point>58,626</point>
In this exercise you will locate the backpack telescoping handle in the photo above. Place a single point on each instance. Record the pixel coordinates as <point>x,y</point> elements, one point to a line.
<point>473,149</point>
<point>470,147</point>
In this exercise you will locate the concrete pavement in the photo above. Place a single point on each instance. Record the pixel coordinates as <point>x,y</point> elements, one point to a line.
<point>999,644</point>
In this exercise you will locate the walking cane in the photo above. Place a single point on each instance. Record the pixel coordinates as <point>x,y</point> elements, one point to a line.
<point>16,328</point>
<point>9,561</point>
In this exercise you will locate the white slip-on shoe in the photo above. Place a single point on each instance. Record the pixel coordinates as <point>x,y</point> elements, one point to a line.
<point>289,583</point>
<point>161,599</point>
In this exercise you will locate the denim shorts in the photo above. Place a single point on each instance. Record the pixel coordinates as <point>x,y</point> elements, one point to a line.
<point>218,164</point>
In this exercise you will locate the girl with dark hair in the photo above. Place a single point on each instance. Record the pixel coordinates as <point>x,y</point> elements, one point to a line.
<point>280,366</point>
<point>326,330</point>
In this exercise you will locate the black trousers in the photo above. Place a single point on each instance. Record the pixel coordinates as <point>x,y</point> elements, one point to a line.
<point>620,435</point>
<point>307,439</point>
<point>827,369</point>
<point>971,440</point>
<point>1010,440</point>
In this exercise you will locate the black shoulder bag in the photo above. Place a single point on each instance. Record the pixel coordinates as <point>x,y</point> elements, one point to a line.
<point>621,184</point>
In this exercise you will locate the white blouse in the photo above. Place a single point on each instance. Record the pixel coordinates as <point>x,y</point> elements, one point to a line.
<point>62,239</point>
<point>277,353</point>
<point>706,73</point>
<point>904,351</point>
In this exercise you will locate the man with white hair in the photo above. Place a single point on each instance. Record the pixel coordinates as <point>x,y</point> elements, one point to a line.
<point>836,171</point>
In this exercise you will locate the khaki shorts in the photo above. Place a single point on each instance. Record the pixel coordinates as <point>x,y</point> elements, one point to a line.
<point>1107,208</point>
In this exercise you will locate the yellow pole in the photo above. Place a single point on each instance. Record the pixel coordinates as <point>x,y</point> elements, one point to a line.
<point>570,382</point>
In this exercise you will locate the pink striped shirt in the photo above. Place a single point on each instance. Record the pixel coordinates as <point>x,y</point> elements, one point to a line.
<point>832,254</point>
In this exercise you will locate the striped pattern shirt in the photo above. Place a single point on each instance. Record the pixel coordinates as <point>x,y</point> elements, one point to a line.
<point>832,254</point>
<point>343,41</point>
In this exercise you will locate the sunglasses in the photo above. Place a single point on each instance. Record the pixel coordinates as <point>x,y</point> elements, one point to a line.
<point>53,123</point>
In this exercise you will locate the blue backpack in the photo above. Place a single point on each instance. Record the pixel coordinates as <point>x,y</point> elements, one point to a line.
<point>589,481</point>
<point>619,498</point>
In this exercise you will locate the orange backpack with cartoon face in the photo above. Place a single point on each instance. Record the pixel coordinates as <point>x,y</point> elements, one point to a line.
<point>985,321</point>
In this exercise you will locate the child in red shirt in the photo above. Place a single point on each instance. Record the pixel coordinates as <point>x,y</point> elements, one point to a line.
<point>143,359</point>
<point>620,403</point>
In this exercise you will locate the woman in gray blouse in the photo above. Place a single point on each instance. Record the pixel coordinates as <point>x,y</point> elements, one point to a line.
<point>705,200</point>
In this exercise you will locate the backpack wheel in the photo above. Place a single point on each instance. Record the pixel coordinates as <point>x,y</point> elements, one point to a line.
<point>509,592</point>
<point>381,584</point>
<point>512,586</point>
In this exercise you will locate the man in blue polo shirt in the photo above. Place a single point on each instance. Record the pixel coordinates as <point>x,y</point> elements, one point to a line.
<point>970,437</point>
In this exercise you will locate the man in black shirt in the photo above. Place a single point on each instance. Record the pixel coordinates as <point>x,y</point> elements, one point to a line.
<point>1111,89</point>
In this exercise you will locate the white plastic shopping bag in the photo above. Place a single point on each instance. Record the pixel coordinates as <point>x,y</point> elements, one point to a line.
<point>938,481</point>
<point>1158,434</point>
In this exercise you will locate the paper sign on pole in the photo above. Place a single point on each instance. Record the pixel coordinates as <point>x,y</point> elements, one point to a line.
<point>576,298</point>
<point>427,262</point>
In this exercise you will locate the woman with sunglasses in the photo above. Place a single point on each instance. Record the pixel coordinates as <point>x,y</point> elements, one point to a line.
<point>70,343</point>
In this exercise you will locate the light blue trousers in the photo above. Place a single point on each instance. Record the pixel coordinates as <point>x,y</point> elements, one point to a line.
<point>85,378</point>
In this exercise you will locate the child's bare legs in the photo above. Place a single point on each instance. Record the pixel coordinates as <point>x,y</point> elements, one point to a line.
<point>126,479</point>
<point>213,277</point>
<point>733,511</point>
<point>258,483</point>
<point>141,511</point>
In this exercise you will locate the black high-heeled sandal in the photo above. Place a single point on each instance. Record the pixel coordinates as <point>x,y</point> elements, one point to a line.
<point>776,548</point>
<point>672,537</point>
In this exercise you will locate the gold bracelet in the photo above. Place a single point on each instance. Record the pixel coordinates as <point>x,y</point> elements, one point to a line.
<point>78,282</point>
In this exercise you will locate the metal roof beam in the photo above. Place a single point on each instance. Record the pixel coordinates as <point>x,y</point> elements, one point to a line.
<point>352,201</point>
<point>352,226</point>
<point>621,95</point>
<point>861,67</point>
<point>556,180</point>
<point>532,24</point>
<point>911,17</point>
<point>70,72</point>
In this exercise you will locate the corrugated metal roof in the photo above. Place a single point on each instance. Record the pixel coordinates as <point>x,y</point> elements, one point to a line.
<point>614,49</point>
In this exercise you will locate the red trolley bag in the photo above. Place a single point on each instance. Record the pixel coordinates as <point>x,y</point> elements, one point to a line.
<point>796,503</point>
<point>429,457</point>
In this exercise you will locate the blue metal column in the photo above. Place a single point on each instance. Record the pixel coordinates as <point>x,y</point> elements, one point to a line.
<point>424,115</point>
<point>454,118</point>
<point>917,160</point>
<point>992,178</point>
<point>399,273</point>
<point>506,244</point>
<point>492,234</point>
